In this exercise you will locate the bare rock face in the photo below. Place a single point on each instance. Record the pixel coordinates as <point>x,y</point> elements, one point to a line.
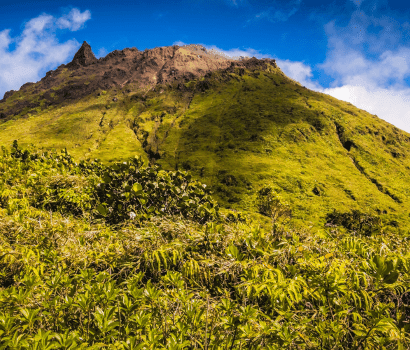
<point>86,74</point>
<point>83,57</point>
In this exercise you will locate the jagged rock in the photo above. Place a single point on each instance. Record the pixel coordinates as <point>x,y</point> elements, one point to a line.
<point>26,85</point>
<point>83,57</point>
<point>7,95</point>
<point>2,116</point>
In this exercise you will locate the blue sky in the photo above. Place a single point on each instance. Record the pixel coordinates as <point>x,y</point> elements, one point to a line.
<point>355,50</point>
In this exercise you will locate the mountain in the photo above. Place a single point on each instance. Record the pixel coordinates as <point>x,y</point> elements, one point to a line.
<point>237,124</point>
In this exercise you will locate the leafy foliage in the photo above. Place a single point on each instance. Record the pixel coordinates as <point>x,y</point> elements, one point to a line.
<point>48,180</point>
<point>119,192</point>
<point>71,279</point>
<point>271,204</point>
<point>130,191</point>
<point>355,220</point>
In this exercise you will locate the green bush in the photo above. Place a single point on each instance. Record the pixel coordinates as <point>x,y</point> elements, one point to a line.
<point>46,180</point>
<point>129,190</point>
<point>123,191</point>
<point>355,220</point>
<point>271,204</point>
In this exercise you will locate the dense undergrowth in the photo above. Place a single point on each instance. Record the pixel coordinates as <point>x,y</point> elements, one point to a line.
<point>127,257</point>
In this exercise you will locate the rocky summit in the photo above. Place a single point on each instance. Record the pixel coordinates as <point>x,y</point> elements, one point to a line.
<point>237,124</point>
<point>85,74</point>
<point>83,57</point>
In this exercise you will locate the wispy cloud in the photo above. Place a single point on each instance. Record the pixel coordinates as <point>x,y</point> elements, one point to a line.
<point>369,62</point>
<point>392,105</point>
<point>27,56</point>
<point>235,52</point>
<point>300,72</point>
<point>235,3</point>
<point>278,12</point>
<point>102,52</point>
<point>74,20</point>
<point>179,43</point>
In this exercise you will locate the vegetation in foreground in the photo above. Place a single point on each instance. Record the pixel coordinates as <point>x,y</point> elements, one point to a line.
<point>126,257</point>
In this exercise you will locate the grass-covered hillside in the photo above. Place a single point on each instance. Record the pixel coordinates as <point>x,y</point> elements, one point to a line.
<point>238,130</point>
<point>125,256</point>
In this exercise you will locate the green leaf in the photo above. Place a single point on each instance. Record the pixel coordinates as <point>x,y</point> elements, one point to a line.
<point>101,208</point>
<point>106,178</point>
<point>137,187</point>
<point>391,277</point>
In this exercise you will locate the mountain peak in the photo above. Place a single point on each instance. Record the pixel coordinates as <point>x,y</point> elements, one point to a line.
<point>165,65</point>
<point>84,56</point>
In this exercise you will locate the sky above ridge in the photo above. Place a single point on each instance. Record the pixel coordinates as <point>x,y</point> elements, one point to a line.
<point>355,50</point>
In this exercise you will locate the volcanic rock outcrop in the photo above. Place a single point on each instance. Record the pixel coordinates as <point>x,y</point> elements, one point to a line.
<point>86,74</point>
<point>83,57</point>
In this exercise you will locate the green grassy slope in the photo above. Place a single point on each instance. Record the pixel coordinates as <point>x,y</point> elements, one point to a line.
<point>239,131</point>
<point>265,129</point>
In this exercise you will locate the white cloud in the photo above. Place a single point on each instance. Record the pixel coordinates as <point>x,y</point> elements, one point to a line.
<point>179,43</point>
<point>102,52</point>
<point>364,90</point>
<point>74,20</point>
<point>369,62</point>
<point>37,48</point>
<point>359,56</point>
<point>236,52</point>
<point>300,72</point>
<point>279,13</point>
<point>389,104</point>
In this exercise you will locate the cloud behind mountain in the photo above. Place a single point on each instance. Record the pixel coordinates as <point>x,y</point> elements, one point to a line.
<point>28,55</point>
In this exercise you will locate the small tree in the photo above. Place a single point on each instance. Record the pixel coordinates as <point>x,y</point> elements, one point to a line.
<point>271,204</point>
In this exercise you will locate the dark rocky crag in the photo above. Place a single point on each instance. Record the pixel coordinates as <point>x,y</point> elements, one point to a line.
<point>84,57</point>
<point>86,74</point>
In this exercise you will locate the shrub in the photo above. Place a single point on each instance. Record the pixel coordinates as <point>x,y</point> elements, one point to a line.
<point>119,192</point>
<point>271,204</point>
<point>355,220</point>
<point>129,190</point>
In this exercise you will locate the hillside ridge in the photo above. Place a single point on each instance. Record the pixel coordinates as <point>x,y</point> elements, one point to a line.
<point>86,74</point>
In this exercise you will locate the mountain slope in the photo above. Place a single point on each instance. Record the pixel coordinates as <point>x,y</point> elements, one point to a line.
<point>238,125</point>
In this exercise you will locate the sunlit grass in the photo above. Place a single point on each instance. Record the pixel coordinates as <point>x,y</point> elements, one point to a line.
<point>243,132</point>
